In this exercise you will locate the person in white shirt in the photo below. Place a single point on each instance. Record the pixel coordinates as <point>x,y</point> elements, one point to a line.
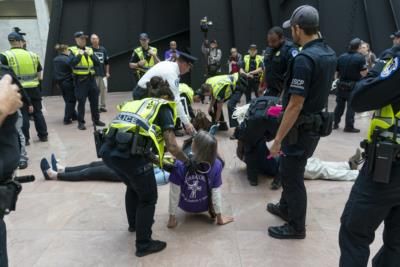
<point>169,71</point>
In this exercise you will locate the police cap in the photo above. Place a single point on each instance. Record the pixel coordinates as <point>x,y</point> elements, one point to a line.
<point>80,34</point>
<point>305,16</point>
<point>143,36</point>
<point>253,46</point>
<point>187,57</point>
<point>14,36</point>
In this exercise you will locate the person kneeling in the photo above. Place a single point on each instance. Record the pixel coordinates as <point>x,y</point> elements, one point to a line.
<point>198,190</point>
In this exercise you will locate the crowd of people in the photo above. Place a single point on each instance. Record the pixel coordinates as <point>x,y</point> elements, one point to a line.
<point>291,81</point>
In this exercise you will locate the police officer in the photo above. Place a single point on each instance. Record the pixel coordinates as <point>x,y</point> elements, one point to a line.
<point>252,67</point>
<point>375,196</point>
<point>27,68</point>
<point>82,62</point>
<point>63,77</point>
<point>222,88</point>
<point>351,67</point>
<point>10,102</point>
<point>144,57</point>
<point>396,42</point>
<point>276,60</point>
<point>142,127</point>
<point>304,99</point>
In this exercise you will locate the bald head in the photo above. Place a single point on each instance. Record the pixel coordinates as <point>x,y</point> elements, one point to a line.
<point>172,45</point>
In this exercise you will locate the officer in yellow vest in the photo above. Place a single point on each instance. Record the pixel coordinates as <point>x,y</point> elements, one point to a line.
<point>221,88</point>
<point>82,62</point>
<point>187,92</point>
<point>144,56</point>
<point>27,68</point>
<point>375,196</point>
<point>142,127</point>
<point>252,68</point>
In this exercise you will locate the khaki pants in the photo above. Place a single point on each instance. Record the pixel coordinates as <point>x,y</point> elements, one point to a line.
<point>102,85</point>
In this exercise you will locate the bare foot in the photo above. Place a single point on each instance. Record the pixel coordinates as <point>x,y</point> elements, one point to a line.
<point>222,220</point>
<point>172,222</point>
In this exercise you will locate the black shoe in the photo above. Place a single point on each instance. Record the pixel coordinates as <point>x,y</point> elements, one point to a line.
<point>102,110</point>
<point>44,166</point>
<point>67,122</point>
<point>53,162</point>
<point>99,123</point>
<point>132,229</point>
<point>43,139</point>
<point>253,182</point>
<point>335,126</point>
<point>81,126</point>
<point>351,130</point>
<point>27,143</point>
<point>275,209</point>
<point>223,126</point>
<point>23,164</point>
<point>154,247</point>
<point>179,133</point>
<point>286,231</point>
<point>276,184</point>
<point>232,137</point>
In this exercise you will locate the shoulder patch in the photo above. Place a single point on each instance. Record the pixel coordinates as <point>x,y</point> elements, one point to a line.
<point>294,52</point>
<point>390,67</point>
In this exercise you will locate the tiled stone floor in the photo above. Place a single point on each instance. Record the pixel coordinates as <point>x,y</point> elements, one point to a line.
<point>61,224</point>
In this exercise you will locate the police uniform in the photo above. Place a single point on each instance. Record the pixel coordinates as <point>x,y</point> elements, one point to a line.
<point>63,77</point>
<point>375,196</point>
<point>26,66</point>
<point>316,59</point>
<point>132,135</point>
<point>349,66</point>
<point>224,88</point>
<point>250,64</point>
<point>276,63</point>
<point>139,53</point>
<point>84,82</point>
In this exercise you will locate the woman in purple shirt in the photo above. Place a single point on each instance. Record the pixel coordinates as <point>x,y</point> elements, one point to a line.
<point>200,190</point>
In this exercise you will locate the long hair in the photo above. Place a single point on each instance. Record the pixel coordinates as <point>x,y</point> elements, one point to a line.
<point>159,88</point>
<point>206,147</point>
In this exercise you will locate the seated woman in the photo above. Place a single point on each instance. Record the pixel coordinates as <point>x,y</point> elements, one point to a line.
<point>198,190</point>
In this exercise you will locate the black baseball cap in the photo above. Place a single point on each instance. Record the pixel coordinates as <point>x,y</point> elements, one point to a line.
<point>395,35</point>
<point>80,34</point>
<point>305,16</point>
<point>14,36</point>
<point>143,35</point>
<point>187,57</point>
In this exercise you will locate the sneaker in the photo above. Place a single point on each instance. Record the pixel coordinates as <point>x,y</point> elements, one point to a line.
<point>44,166</point>
<point>154,247</point>
<point>99,123</point>
<point>53,162</point>
<point>102,110</point>
<point>351,130</point>
<point>23,164</point>
<point>355,160</point>
<point>81,126</point>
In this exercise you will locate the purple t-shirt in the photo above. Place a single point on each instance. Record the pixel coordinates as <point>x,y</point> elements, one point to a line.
<point>194,197</point>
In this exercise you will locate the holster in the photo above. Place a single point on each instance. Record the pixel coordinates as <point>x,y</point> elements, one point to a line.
<point>99,140</point>
<point>9,192</point>
<point>128,143</point>
<point>345,85</point>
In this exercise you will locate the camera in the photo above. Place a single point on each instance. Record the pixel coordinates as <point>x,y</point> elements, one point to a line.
<point>205,24</point>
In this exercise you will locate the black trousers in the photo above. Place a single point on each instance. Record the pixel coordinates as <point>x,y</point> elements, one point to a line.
<point>94,171</point>
<point>291,170</point>
<point>3,243</point>
<point>339,110</point>
<point>86,88</point>
<point>369,205</point>
<point>251,87</point>
<point>232,103</point>
<point>38,118</point>
<point>68,93</point>
<point>141,192</point>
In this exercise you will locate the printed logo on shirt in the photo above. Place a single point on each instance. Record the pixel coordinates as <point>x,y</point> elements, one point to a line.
<point>297,83</point>
<point>100,56</point>
<point>390,67</point>
<point>193,183</point>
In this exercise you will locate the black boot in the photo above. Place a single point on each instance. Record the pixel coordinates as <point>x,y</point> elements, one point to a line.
<point>153,247</point>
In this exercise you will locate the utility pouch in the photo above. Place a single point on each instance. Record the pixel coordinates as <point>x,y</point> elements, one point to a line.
<point>9,192</point>
<point>345,86</point>
<point>99,140</point>
<point>123,141</point>
<point>385,153</point>
<point>326,123</point>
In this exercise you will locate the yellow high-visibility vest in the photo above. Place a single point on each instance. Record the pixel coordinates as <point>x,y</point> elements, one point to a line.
<point>86,65</point>
<point>219,82</point>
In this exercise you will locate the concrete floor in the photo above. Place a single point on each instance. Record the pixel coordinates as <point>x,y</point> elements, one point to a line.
<point>84,224</point>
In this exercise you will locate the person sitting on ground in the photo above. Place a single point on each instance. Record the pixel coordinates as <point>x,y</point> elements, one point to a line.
<point>198,190</point>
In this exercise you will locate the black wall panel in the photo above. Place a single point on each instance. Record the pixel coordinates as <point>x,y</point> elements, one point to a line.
<point>236,23</point>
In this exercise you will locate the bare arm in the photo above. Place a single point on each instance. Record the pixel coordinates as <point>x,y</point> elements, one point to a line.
<point>172,145</point>
<point>219,111</point>
<point>108,69</point>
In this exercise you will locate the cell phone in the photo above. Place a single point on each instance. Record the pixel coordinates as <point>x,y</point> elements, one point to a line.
<point>383,161</point>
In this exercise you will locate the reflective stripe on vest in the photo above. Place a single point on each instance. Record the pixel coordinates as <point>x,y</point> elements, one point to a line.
<point>258,58</point>
<point>85,66</point>
<point>219,82</point>
<point>187,91</point>
<point>25,65</point>
<point>384,120</point>
<point>147,64</point>
<point>142,114</point>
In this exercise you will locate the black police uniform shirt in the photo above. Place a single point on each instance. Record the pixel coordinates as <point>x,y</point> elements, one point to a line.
<point>135,58</point>
<point>302,78</point>
<point>62,68</point>
<point>350,65</point>
<point>276,63</point>
<point>165,119</point>
<point>379,88</point>
<point>102,55</point>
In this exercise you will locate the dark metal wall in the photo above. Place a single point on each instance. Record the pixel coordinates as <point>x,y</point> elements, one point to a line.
<point>236,23</point>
